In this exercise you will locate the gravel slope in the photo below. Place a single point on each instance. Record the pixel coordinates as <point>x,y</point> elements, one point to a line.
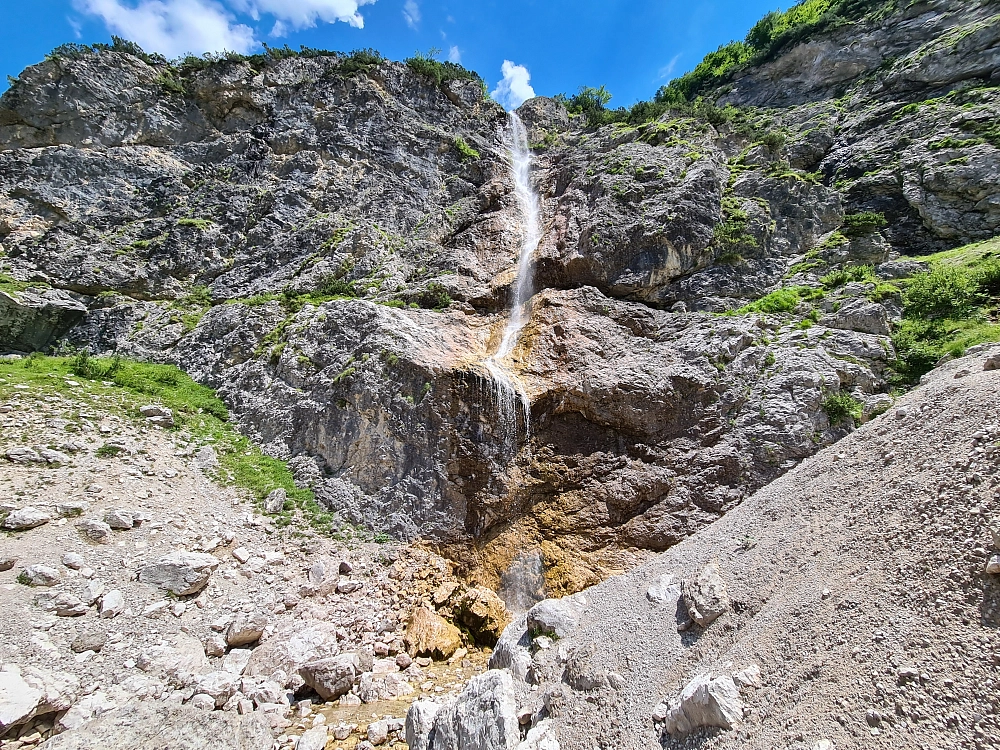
<point>857,584</point>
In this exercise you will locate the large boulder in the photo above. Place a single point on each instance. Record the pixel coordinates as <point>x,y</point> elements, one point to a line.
<point>156,726</point>
<point>706,701</point>
<point>484,613</point>
<point>26,518</point>
<point>705,595</point>
<point>35,318</point>
<point>290,648</point>
<point>420,724</point>
<point>18,700</point>
<point>483,717</point>
<point>181,573</point>
<point>332,677</point>
<point>429,634</point>
<point>556,617</point>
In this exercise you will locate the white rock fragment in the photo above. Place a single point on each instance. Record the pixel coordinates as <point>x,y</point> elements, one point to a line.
<point>26,518</point>
<point>40,575</point>
<point>96,531</point>
<point>181,573</point>
<point>112,604</point>
<point>313,739</point>
<point>705,701</point>
<point>73,561</point>
<point>705,595</point>
<point>18,700</point>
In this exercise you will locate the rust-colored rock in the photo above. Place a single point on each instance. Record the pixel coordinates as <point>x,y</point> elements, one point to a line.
<point>429,634</point>
<point>484,613</point>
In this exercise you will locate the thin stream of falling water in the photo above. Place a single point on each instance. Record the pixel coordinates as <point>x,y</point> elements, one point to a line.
<point>510,397</point>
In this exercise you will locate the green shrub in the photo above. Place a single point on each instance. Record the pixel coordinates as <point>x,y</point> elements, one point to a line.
<point>772,139</point>
<point>465,151</point>
<point>108,451</point>
<point>847,275</point>
<point>942,292</point>
<point>360,61</point>
<point>842,406</point>
<point>779,301</point>
<point>434,297</point>
<point>863,223</point>
<point>200,224</point>
<point>334,286</point>
<point>428,66</point>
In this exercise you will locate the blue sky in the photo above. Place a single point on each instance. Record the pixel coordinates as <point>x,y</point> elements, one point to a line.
<point>630,46</point>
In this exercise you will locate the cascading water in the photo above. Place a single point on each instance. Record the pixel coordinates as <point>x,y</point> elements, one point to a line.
<point>510,398</point>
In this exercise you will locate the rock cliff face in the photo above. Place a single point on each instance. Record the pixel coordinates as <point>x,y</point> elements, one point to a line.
<point>333,249</point>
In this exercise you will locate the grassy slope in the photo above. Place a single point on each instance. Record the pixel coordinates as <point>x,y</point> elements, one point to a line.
<point>121,386</point>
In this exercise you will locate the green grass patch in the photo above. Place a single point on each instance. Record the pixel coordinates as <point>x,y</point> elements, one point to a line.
<point>465,151</point>
<point>200,224</point>
<point>950,307</point>
<point>839,407</point>
<point>848,275</point>
<point>865,222</point>
<point>119,385</point>
<point>782,300</point>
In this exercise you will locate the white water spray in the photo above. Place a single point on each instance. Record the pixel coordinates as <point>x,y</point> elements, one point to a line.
<point>510,398</point>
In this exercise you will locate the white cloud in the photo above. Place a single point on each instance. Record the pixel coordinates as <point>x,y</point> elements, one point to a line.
<point>411,12</point>
<point>454,54</point>
<point>173,27</point>
<point>75,25</point>
<point>667,70</point>
<point>514,88</point>
<point>304,14</point>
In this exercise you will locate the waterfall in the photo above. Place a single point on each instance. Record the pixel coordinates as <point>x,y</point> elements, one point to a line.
<point>510,398</point>
<point>522,585</point>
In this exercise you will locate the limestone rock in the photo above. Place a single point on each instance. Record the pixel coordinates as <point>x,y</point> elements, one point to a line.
<point>275,501</point>
<point>36,317</point>
<point>704,702</point>
<point>67,605</point>
<point>182,653</point>
<point>705,595</point>
<point>484,613</point>
<point>24,455</point>
<point>112,604</point>
<point>332,677</point>
<point>512,649</point>
<point>247,628</point>
<point>664,590</point>
<point>221,686</point>
<point>95,531</point>
<point>181,573</point>
<point>293,646</point>
<point>313,739</point>
<point>236,660</point>
<point>556,617</point>
<point>378,732</point>
<point>26,518</point>
<point>993,566</point>
<point>119,519</point>
<point>73,561</point>
<point>18,700</point>
<point>40,575</point>
<point>420,724</point>
<point>483,716</point>
<point>154,726</point>
<point>429,634</point>
<point>89,641</point>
